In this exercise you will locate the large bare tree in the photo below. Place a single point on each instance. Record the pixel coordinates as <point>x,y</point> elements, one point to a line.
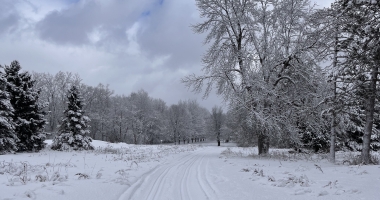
<point>261,58</point>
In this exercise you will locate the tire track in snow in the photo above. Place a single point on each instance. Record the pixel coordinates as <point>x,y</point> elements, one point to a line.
<point>206,174</point>
<point>183,178</point>
<point>203,178</point>
<point>162,179</point>
<point>155,190</point>
<point>145,179</point>
<point>200,182</point>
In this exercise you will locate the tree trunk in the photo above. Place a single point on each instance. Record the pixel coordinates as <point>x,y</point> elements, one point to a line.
<point>263,144</point>
<point>263,136</point>
<point>121,118</point>
<point>218,142</point>
<point>175,137</point>
<point>332,138</point>
<point>102,131</point>
<point>333,121</point>
<point>370,109</point>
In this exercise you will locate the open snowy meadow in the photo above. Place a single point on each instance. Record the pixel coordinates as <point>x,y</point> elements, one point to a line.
<point>191,171</point>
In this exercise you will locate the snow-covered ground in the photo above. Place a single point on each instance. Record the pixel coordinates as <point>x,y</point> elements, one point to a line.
<point>198,171</point>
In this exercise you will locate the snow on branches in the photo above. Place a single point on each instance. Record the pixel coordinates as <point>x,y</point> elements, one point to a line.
<point>73,133</point>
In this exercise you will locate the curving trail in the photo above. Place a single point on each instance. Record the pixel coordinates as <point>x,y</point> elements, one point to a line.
<point>206,174</point>
<point>184,178</point>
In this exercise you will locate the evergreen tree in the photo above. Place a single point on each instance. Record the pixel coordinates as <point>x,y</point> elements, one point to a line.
<point>8,137</point>
<point>355,132</point>
<point>73,133</point>
<point>362,61</point>
<point>28,115</point>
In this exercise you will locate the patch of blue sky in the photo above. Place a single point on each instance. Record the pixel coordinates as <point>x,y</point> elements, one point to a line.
<point>147,13</point>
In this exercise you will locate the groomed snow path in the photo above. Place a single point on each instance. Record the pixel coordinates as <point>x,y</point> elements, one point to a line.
<point>187,177</point>
<point>206,173</point>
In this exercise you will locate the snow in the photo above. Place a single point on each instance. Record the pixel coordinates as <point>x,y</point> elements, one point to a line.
<point>192,171</point>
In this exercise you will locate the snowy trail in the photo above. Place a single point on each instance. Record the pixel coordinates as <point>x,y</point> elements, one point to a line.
<point>183,178</point>
<point>206,174</point>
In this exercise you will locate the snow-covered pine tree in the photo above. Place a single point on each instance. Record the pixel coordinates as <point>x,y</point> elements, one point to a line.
<point>73,133</point>
<point>8,137</point>
<point>28,115</point>
<point>362,61</point>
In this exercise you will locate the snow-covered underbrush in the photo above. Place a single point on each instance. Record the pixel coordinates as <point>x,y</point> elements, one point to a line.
<point>307,173</point>
<point>60,174</point>
<point>353,158</point>
<point>21,173</point>
<point>141,153</point>
<point>346,158</point>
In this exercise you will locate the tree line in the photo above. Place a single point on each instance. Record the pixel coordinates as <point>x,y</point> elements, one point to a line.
<point>136,118</point>
<point>35,106</point>
<point>295,75</point>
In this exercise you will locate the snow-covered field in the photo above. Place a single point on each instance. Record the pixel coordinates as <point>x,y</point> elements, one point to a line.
<point>199,171</point>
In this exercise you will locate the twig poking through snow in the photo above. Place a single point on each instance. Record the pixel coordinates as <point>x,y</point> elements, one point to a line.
<point>331,184</point>
<point>318,167</point>
<point>137,165</point>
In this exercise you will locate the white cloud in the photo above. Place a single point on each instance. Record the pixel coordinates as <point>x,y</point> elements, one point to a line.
<point>96,34</point>
<point>159,61</point>
<point>36,10</point>
<point>133,47</point>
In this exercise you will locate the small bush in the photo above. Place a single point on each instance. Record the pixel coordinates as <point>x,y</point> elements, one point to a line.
<point>245,170</point>
<point>352,159</point>
<point>41,178</point>
<point>292,180</point>
<point>58,177</point>
<point>375,159</point>
<point>82,176</point>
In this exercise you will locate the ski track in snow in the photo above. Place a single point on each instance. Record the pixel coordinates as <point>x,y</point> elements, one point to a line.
<point>184,178</point>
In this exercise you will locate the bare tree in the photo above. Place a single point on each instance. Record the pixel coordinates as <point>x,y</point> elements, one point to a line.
<point>53,91</point>
<point>217,121</point>
<point>179,119</point>
<point>261,57</point>
<point>97,102</point>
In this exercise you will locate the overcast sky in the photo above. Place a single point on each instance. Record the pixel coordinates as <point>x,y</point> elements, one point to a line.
<point>128,44</point>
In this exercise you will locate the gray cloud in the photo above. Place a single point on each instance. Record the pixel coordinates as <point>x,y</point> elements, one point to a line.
<point>8,23</point>
<point>74,24</point>
<point>128,44</point>
<point>8,17</point>
<point>167,31</point>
